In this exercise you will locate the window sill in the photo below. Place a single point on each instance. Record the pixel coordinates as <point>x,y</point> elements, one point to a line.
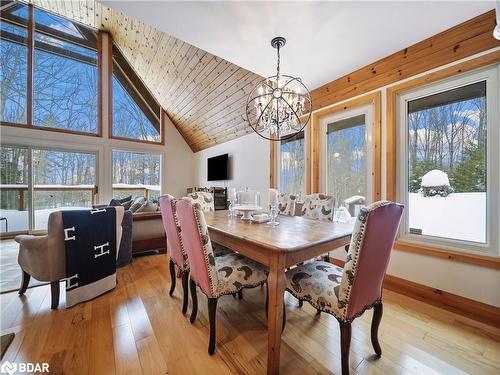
<point>487,261</point>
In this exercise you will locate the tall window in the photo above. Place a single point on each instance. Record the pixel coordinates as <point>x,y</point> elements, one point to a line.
<point>64,77</point>
<point>136,174</point>
<point>136,114</point>
<point>14,63</point>
<point>293,165</point>
<point>346,158</point>
<point>451,146</point>
<point>13,189</point>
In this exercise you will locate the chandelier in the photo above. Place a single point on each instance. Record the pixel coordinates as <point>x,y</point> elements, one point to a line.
<point>279,106</point>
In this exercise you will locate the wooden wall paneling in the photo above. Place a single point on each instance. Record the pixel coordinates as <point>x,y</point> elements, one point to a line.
<point>463,40</point>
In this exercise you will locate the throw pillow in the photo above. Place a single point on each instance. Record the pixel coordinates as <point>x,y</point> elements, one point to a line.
<point>138,202</point>
<point>148,206</point>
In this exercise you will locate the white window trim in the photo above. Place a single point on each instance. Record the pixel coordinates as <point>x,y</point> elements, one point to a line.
<point>368,110</point>
<point>491,75</point>
<point>278,163</point>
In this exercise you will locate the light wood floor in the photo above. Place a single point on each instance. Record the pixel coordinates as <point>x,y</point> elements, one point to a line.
<point>139,329</point>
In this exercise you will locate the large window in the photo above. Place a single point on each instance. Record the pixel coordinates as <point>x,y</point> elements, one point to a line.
<point>136,114</point>
<point>292,165</point>
<point>346,158</point>
<point>64,78</point>
<point>14,64</point>
<point>450,140</point>
<point>60,180</point>
<point>136,174</point>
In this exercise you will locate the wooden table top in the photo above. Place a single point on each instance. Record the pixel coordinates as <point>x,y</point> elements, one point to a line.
<point>294,232</point>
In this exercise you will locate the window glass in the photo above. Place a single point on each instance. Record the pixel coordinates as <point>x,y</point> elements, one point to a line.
<point>62,179</point>
<point>447,164</point>
<point>136,174</point>
<point>13,189</point>
<point>346,160</point>
<point>129,119</point>
<point>13,73</point>
<point>65,86</point>
<point>293,166</point>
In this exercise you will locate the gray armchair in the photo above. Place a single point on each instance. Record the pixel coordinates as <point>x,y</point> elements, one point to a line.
<point>44,257</point>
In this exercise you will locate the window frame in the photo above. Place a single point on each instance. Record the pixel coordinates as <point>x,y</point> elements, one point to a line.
<point>368,111</point>
<point>30,73</point>
<point>490,75</point>
<point>116,58</point>
<point>484,60</point>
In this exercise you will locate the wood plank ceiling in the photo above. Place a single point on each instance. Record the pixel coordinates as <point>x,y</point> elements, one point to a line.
<point>204,95</point>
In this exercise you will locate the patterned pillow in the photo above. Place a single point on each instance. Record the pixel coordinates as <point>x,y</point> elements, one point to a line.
<point>204,199</point>
<point>148,206</point>
<point>138,202</point>
<point>286,205</point>
<point>117,202</point>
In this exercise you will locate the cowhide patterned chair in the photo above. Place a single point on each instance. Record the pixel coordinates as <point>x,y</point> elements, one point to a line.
<point>286,204</point>
<point>347,293</point>
<point>205,200</point>
<point>178,256</point>
<point>215,276</point>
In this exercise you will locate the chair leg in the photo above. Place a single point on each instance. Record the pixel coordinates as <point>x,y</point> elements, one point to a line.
<point>284,318</point>
<point>345,344</point>
<point>240,294</point>
<point>172,277</point>
<point>377,317</point>
<point>301,303</point>
<point>318,312</point>
<point>194,298</point>
<point>54,289</point>
<point>212,309</point>
<point>24,283</point>
<point>185,290</point>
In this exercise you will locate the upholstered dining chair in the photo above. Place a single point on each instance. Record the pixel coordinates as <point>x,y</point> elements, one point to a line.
<point>204,199</point>
<point>318,206</point>
<point>286,204</point>
<point>347,293</point>
<point>176,250</point>
<point>215,276</point>
<point>44,257</point>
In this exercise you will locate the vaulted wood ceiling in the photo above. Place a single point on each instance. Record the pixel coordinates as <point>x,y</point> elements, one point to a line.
<point>203,95</point>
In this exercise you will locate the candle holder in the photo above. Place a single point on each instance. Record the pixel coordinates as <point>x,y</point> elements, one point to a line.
<point>274,214</point>
<point>232,211</point>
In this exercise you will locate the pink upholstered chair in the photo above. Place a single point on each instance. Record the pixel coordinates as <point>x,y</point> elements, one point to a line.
<point>216,276</point>
<point>176,250</point>
<point>347,293</point>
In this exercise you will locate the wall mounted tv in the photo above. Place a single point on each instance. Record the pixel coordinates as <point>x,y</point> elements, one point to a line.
<point>217,168</point>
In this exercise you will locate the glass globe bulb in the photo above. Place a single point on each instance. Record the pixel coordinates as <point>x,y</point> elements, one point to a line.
<point>496,32</point>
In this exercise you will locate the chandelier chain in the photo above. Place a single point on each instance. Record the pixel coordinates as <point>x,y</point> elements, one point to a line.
<point>278,65</point>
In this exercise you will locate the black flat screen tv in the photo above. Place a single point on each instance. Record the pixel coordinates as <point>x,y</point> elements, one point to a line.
<point>217,168</point>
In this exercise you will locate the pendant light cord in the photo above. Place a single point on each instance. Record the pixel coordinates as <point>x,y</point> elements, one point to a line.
<point>278,66</point>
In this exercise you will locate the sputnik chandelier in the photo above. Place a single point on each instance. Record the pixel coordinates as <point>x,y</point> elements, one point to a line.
<point>279,106</point>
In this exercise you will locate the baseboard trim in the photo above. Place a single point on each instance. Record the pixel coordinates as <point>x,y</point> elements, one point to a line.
<point>469,308</point>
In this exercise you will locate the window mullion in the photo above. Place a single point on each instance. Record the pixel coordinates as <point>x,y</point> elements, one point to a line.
<point>29,86</point>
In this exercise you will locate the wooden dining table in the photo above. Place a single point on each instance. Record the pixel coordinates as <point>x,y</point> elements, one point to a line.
<point>294,240</point>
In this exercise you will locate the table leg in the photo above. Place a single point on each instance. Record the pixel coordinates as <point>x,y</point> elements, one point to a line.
<point>276,290</point>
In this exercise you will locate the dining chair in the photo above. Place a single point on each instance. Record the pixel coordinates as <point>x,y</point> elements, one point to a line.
<point>215,276</point>
<point>204,199</point>
<point>318,206</point>
<point>286,204</point>
<point>347,293</point>
<point>176,249</point>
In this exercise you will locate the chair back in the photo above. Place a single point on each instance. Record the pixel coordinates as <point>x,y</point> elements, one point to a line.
<point>369,252</point>
<point>205,200</point>
<point>196,240</point>
<point>286,205</point>
<point>173,230</point>
<point>318,206</point>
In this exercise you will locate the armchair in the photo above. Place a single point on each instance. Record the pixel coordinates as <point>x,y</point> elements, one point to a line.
<point>44,258</point>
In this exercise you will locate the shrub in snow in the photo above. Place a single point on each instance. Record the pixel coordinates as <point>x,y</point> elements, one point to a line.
<point>435,182</point>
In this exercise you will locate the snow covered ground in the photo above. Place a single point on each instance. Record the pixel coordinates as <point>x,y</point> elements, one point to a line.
<point>459,216</point>
<point>18,220</point>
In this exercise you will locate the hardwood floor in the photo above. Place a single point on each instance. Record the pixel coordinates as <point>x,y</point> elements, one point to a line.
<point>139,329</point>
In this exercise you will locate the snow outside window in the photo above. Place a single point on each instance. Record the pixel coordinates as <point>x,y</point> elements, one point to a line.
<point>448,162</point>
